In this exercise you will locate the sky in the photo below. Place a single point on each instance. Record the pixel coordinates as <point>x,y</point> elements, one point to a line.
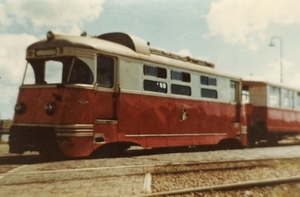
<point>233,34</point>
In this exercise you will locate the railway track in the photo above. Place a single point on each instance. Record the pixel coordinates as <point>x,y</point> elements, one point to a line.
<point>126,176</point>
<point>135,170</point>
<point>234,186</point>
<point>198,191</point>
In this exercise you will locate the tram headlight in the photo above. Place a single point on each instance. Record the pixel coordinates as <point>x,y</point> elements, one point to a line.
<point>50,108</point>
<point>20,108</point>
<point>50,35</point>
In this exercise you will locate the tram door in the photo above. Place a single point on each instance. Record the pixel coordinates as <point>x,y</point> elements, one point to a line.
<point>235,102</point>
<point>105,91</point>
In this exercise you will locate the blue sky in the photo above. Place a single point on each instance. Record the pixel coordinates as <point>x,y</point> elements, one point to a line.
<point>232,34</point>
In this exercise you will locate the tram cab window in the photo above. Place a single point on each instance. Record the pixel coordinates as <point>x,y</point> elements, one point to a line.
<point>105,71</point>
<point>58,71</point>
<point>81,73</point>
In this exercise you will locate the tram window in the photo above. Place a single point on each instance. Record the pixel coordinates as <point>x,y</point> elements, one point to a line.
<point>161,73</point>
<point>204,80</point>
<point>53,72</point>
<point>81,73</point>
<point>29,77</point>
<point>155,71</point>
<point>208,81</point>
<point>180,76</point>
<point>245,95</point>
<point>155,86</point>
<point>212,81</point>
<point>274,96</point>
<point>150,71</point>
<point>233,91</point>
<point>60,71</point>
<point>208,93</point>
<point>105,71</point>
<point>298,100</point>
<point>181,90</point>
<point>176,75</point>
<point>287,99</point>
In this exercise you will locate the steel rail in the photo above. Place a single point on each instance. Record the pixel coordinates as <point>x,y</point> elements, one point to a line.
<point>231,186</point>
<point>153,168</point>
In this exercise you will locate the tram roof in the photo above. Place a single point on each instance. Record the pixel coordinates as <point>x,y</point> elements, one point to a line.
<point>128,46</point>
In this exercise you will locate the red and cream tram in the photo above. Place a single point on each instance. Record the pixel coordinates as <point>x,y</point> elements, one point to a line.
<point>83,94</point>
<point>275,110</point>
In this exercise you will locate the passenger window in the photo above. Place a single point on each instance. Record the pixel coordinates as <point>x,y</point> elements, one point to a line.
<point>155,86</point>
<point>151,71</point>
<point>181,90</point>
<point>208,93</point>
<point>208,81</point>
<point>298,100</point>
<point>155,71</point>
<point>105,71</point>
<point>288,99</point>
<point>180,76</point>
<point>233,91</point>
<point>274,97</point>
<point>245,95</point>
<point>176,75</point>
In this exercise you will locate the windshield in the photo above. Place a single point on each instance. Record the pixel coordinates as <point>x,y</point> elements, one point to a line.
<point>66,70</point>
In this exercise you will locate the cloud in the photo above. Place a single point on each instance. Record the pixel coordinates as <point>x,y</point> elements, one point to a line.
<point>67,16</point>
<point>274,71</point>
<point>246,22</point>
<point>12,66</point>
<point>185,52</point>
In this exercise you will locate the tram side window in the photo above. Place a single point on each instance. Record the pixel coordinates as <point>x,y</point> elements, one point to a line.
<point>181,90</point>
<point>155,71</point>
<point>208,93</point>
<point>209,81</point>
<point>180,76</point>
<point>298,100</point>
<point>234,91</point>
<point>245,95</point>
<point>274,97</point>
<point>287,99</point>
<point>155,86</point>
<point>205,92</point>
<point>105,71</point>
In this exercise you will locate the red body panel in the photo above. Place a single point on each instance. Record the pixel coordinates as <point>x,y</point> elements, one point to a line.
<point>146,120</point>
<point>158,122</point>
<point>277,120</point>
<point>72,106</point>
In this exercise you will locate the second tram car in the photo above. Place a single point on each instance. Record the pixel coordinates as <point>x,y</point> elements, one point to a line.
<point>84,94</point>
<point>275,110</point>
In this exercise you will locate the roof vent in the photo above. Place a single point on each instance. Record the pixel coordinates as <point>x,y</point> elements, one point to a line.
<point>136,44</point>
